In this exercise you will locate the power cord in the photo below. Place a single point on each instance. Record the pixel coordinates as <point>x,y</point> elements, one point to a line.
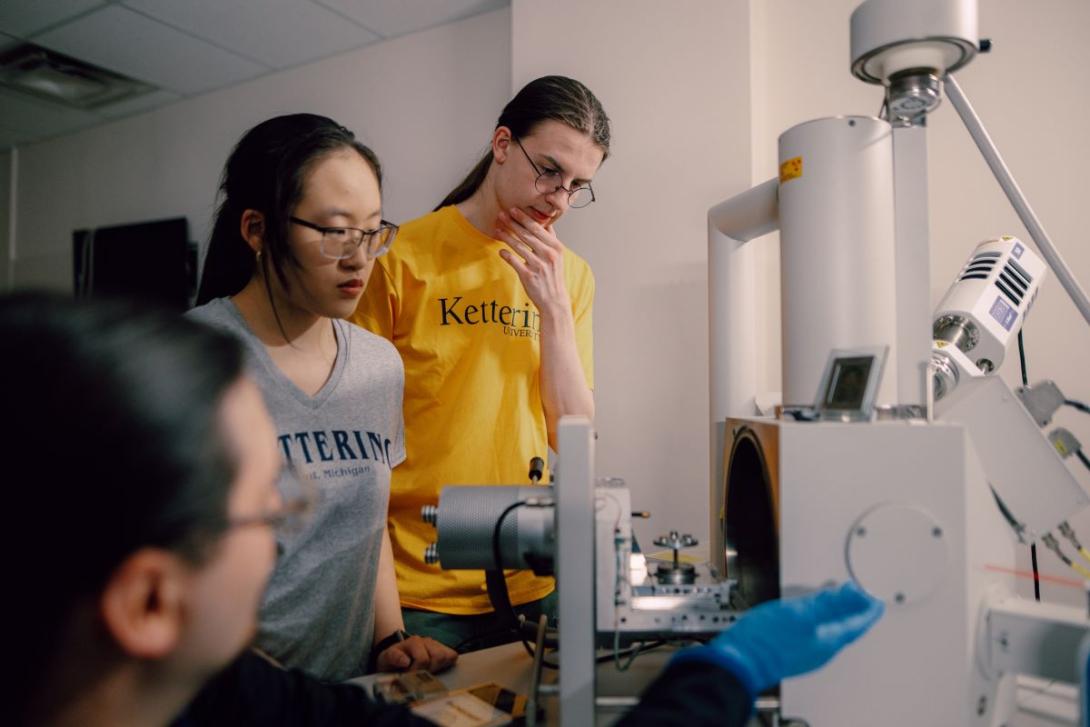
<point>1033,545</point>
<point>497,585</point>
<point>1077,405</point>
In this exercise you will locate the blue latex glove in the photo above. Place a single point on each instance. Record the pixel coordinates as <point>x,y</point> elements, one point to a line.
<point>784,638</point>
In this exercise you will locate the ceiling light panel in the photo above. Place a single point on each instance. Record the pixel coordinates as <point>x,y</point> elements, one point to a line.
<point>131,44</point>
<point>39,118</point>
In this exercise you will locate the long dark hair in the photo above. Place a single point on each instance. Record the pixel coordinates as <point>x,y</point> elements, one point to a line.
<point>554,98</point>
<point>265,172</point>
<point>111,443</point>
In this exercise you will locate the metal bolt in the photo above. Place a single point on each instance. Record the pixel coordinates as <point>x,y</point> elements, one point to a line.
<point>430,514</point>
<point>860,531</point>
<point>937,532</point>
<point>899,597</point>
<point>431,554</point>
<point>981,705</point>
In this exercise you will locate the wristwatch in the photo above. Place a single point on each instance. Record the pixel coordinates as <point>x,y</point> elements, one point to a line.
<point>395,638</point>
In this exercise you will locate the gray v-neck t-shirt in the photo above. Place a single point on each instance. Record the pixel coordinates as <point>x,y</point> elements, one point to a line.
<point>318,612</point>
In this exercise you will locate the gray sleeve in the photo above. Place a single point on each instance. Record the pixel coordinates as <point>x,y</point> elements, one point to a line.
<point>399,426</point>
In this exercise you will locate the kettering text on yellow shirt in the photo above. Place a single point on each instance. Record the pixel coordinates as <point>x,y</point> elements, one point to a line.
<point>470,339</point>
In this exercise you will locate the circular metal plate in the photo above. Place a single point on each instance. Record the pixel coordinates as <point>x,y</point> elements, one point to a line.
<point>898,553</point>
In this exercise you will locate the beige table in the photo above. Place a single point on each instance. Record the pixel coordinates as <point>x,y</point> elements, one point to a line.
<point>510,666</point>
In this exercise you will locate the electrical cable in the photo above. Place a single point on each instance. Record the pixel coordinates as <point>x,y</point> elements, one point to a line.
<point>1069,532</point>
<point>1077,405</point>
<point>503,600</point>
<point>1016,526</point>
<point>1022,359</point>
<point>1033,545</point>
<point>1083,458</point>
<point>1050,542</point>
<point>497,560</point>
<point>631,652</point>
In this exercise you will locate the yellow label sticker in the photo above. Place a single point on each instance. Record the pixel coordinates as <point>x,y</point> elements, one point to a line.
<point>791,169</point>
<point>940,344</point>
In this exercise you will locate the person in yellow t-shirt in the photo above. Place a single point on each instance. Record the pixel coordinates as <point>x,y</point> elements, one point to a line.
<point>492,316</point>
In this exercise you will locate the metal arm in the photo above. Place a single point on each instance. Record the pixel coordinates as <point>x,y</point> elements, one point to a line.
<point>1014,194</point>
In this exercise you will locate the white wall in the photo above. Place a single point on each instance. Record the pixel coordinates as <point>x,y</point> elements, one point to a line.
<point>425,102</point>
<point>1032,95</point>
<point>698,92</point>
<point>674,79</point>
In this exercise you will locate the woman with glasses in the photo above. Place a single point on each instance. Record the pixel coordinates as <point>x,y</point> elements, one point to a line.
<point>148,534</point>
<point>492,317</point>
<point>296,234</point>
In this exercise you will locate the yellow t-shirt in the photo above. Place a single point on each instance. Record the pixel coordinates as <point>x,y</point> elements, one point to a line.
<point>469,337</point>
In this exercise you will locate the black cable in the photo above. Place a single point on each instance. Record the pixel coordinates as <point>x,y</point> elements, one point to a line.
<point>504,601</point>
<point>1033,546</point>
<point>501,600</point>
<point>1036,575</point>
<point>1022,359</point>
<point>1077,405</point>
<point>1083,458</point>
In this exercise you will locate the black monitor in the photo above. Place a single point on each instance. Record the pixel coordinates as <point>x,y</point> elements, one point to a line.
<point>849,384</point>
<point>150,261</point>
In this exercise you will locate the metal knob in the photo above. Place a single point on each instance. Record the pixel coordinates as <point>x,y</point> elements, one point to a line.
<point>676,572</point>
<point>675,541</point>
<point>430,514</point>
<point>431,554</point>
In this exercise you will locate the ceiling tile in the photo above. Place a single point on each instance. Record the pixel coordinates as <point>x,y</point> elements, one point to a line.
<point>278,33</point>
<point>131,106</point>
<point>405,16</point>
<point>25,17</point>
<point>39,118</point>
<point>8,42</point>
<point>129,43</point>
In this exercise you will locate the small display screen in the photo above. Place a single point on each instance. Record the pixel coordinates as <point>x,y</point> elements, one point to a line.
<point>848,382</point>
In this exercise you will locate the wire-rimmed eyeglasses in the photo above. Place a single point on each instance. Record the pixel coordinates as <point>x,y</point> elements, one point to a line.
<point>297,497</point>
<point>549,181</point>
<point>340,243</point>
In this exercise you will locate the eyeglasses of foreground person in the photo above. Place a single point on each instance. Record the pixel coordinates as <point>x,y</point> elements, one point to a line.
<point>549,181</point>
<point>290,510</point>
<point>340,243</point>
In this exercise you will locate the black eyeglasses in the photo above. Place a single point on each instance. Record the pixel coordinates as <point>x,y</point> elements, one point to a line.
<point>339,243</point>
<point>548,181</point>
<point>298,495</point>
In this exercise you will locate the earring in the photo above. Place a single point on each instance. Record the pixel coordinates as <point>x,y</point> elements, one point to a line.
<point>259,252</point>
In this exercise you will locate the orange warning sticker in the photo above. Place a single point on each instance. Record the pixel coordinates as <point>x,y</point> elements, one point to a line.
<point>791,169</point>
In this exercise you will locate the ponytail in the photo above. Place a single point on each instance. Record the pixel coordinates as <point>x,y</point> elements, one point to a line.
<point>554,98</point>
<point>470,184</point>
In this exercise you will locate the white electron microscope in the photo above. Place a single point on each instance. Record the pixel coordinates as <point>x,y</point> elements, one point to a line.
<point>895,455</point>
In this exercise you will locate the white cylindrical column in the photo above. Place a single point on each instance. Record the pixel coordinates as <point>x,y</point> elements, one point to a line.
<point>837,242</point>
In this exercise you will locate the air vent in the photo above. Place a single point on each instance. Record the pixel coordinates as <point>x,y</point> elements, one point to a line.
<point>1014,281</point>
<point>980,267</point>
<point>42,73</point>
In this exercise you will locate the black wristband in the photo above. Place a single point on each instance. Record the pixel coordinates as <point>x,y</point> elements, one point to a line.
<point>395,638</point>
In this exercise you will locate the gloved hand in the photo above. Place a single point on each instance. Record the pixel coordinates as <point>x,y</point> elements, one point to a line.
<point>788,637</point>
